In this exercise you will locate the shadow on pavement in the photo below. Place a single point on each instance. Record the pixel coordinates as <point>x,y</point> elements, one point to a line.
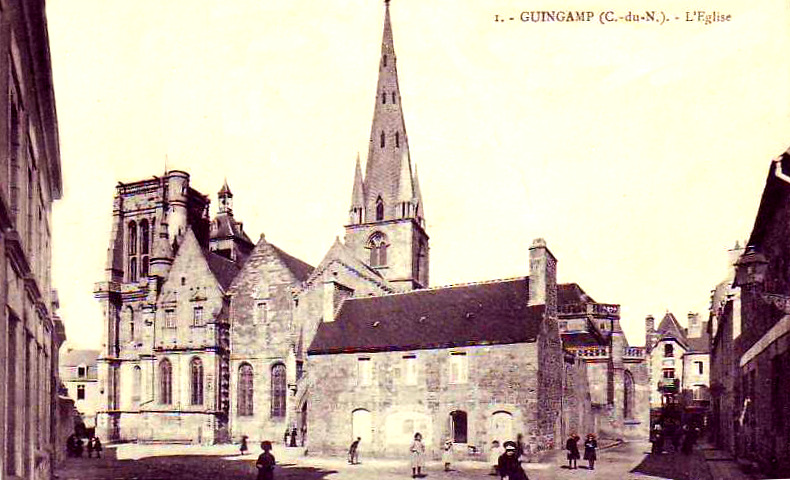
<point>672,466</point>
<point>187,467</point>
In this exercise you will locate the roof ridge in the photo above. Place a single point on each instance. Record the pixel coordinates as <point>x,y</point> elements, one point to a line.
<point>447,287</point>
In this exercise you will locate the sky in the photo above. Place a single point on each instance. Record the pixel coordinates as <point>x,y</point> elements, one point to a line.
<point>638,151</point>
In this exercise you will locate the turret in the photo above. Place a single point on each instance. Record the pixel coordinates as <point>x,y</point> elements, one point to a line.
<point>177,194</point>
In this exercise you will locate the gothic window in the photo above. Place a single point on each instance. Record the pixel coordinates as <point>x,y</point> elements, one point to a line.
<point>669,350</point>
<point>244,397</point>
<point>458,420</point>
<point>132,238</point>
<point>278,390</point>
<point>382,139</point>
<point>383,97</point>
<point>379,210</point>
<point>145,237</point>
<point>165,382</point>
<point>144,267</point>
<point>397,139</point>
<point>137,381</point>
<point>628,395</point>
<point>133,269</point>
<point>196,381</point>
<point>378,250</point>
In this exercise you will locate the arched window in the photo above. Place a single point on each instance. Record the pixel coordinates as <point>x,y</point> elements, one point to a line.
<point>144,267</point>
<point>278,390</point>
<point>502,426</point>
<point>165,382</point>
<point>145,237</point>
<point>378,250</point>
<point>361,425</point>
<point>244,397</point>
<point>393,97</point>
<point>379,209</point>
<point>133,269</point>
<point>458,421</point>
<point>132,238</point>
<point>382,139</point>
<point>196,381</point>
<point>137,381</point>
<point>397,139</point>
<point>669,350</point>
<point>628,395</point>
<point>383,97</point>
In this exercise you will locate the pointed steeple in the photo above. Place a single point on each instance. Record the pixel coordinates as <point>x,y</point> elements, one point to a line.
<point>225,198</point>
<point>388,140</point>
<point>357,210</point>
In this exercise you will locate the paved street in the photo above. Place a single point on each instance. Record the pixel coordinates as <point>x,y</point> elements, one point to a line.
<point>175,462</point>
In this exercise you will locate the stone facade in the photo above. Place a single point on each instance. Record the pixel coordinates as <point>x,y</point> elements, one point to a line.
<point>30,180</point>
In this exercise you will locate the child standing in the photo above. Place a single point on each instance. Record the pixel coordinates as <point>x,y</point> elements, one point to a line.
<point>243,447</point>
<point>590,445</point>
<point>572,446</point>
<point>447,454</point>
<point>265,463</point>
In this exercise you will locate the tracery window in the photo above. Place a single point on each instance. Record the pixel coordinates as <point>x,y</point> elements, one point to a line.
<point>244,397</point>
<point>378,249</point>
<point>196,381</point>
<point>165,382</point>
<point>278,390</point>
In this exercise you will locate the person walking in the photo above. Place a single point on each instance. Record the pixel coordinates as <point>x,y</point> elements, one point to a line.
<point>353,451</point>
<point>243,447</point>
<point>590,445</point>
<point>97,446</point>
<point>572,446</point>
<point>266,462</point>
<point>509,465</point>
<point>293,436</point>
<point>447,454</point>
<point>90,447</point>
<point>285,436</point>
<point>417,451</point>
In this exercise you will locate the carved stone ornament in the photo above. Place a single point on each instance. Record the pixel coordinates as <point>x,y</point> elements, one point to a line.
<point>781,302</point>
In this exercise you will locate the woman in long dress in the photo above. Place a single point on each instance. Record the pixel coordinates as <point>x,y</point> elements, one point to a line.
<point>590,445</point>
<point>417,451</point>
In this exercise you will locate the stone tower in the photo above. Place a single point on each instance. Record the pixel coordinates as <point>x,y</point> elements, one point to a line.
<point>387,217</point>
<point>227,237</point>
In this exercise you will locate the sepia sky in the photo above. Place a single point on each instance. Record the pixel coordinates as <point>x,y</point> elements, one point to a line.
<point>638,151</point>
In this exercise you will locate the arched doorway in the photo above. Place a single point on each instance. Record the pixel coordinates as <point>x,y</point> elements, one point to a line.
<point>502,426</point>
<point>628,395</point>
<point>361,425</point>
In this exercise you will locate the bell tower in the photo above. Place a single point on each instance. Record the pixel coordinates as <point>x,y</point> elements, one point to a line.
<point>387,217</point>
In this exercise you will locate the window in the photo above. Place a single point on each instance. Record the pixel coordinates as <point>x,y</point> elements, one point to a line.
<point>132,238</point>
<point>137,381</point>
<point>378,250</point>
<point>669,350</point>
<point>165,382</point>
<point>669,373</point>
<point>628,394</point>
<point>197,316</point>
<point>81,371</point>
<point>364,371</point>
<point>382,139</point>
<point>133,269</point>
<point>384,59</point>
<point>196,377</point>
<point>14,132</point>
<point>383,97</point>
<point>700,368</point>
<point>410,370</point>
<point>130,314</point>
<point>458,420</point>
<point>145,237</point>
<point>278,391</point>
<point>144,267</point>
<point>379,209</point>
<point>170,318</point>
<point>393,97</point>
<point>458,367</point>
<point>244,398</point>
<point>261,312</point>
<point>397,139</point>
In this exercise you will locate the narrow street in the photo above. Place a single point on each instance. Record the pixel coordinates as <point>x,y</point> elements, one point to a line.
<point>177,462</point>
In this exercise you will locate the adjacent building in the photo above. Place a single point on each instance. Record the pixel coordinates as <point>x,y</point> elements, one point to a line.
<point>79,376</point>
<point>679,363</point>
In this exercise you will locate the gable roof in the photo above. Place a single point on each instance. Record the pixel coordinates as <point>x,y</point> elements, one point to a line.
<point>670,328</point>
<point>339,253</point>
<point>300,269</point>
<point>474,314</point>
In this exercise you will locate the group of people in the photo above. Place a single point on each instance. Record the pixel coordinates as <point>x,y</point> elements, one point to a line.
<point>290,436</point>
<point>75,446</point>
<point>590,450</point>
<point>682,438</point>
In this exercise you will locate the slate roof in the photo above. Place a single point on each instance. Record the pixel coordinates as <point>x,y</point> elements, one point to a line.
<point>300,269</point>
<point>224,269</point>
<point>572,293</point>
<point>581,339</point>
<point>227,227</point>
<point>474,314</point>
<point>79,357</point>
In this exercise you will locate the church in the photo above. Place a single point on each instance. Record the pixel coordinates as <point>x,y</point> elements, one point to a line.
<point>209,337</point>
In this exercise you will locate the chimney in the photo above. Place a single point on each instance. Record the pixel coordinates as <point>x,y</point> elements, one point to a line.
<point>650,324</point>
<point>334,295</point>
<point>542,276</point>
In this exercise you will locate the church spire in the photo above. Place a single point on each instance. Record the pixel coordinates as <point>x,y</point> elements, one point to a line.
<point>225,197</point>
<point>419,209</point>
<point>388,141</point>
<point>357,210</point>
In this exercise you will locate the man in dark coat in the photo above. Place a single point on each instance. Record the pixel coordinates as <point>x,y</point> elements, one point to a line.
<point>509,466</point>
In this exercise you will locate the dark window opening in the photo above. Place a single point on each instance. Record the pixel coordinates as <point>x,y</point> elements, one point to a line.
<point>397,139</point>
<point>379,210</point>
<point>393,98</point>
<point>669,350</point>
<point>382,139</point>
<point>384,58</point>
<point>383,97</point>
<point>458,420</point>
